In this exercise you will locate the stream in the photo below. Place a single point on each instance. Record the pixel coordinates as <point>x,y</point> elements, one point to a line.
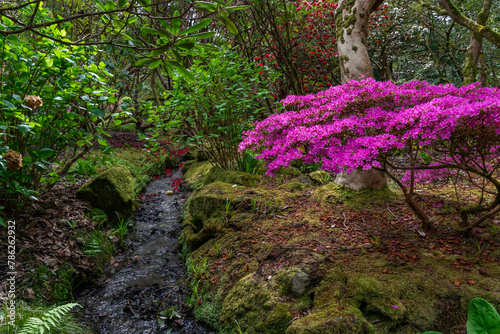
<point>148,277</point>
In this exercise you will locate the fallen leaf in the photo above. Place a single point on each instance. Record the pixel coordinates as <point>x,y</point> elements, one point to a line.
<point>457,283</point>
<point>387,271</point>
<point>471,282</point>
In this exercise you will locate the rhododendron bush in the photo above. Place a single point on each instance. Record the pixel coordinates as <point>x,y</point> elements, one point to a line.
<point>414,132</point>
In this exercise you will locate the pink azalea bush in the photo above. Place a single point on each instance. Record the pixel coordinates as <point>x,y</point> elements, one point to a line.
<point>414,132</point>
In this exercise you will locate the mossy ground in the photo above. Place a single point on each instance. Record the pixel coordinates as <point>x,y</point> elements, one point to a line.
<point>370,270</point>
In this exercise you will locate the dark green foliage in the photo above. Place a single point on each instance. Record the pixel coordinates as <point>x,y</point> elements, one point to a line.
<point>226,97</point>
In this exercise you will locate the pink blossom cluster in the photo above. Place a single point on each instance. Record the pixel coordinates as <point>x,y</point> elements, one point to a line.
<point>369,124</point>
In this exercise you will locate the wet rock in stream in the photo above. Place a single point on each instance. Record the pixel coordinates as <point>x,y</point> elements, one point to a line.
<point>149,277</point>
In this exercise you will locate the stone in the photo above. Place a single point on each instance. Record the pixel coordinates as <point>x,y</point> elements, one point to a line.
<point>320,177</point>
<point>111,191</point>
<point>358,179</point>
<point>293,281</point>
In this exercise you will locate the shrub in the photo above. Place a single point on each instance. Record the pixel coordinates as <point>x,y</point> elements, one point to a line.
<point>227,95</point>
<point>414,132</point>
<point>51,103</point>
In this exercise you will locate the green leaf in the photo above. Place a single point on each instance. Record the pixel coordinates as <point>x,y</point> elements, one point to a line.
<point>110,5</point>
<point>166,34</point>
<point>166,25</point>
<point>40,164</point>
<point>176,24</point>
<point>182,70</point>
<point>205,6</point>
<point>229,25</point>
<point>483,318</point>
<point>100,5</point>
<point>196,27</point>
<point>208,34</point>
<point>207,47</point>
<point>122,3</point>
<point>161,50</point>
<point>24,128</point>
<point>167,68</point>
<point>2,222</point>
<point>14,40</point>
<point>237,7</point>
<point>44,153</point>
<point>148,30</point>
<point>144,61</point>
<point>98,112</point>
<point>103,142</point>
<point>126,36</point>
<point>185,45</point>
<point>8,22</point>
<point>155,64</point>
<point>8,104</point>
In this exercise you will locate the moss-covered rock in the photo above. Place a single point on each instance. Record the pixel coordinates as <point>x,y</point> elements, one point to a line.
<point>334,194</point>
<point>230,176</point>
<point>293,281</point>
<point>111,191</point>
<point>255,305</point>
<point>194,172</point>
<point>320,177</point>
<point>298,184</point>
<point>216,206</point>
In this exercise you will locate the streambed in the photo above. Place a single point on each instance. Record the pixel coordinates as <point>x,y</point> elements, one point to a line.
<point>149,277</point>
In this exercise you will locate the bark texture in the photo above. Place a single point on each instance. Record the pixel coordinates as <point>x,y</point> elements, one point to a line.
<point>352,35</point>
<point>484,30</point>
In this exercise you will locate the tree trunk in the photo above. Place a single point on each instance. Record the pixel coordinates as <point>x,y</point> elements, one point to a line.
<point>352,34</point>
<point>476,42</point>
<point>484,30</point>
<point>352,20</point>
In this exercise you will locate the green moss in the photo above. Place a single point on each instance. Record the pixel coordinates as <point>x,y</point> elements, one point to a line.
<point>112,191</point>
<point>349,31</point>
<point>194,171</point>
<point>216,206</point>
<point>256,307</point>
<point>292,281</point>
<point>320,177</point>
<point>304,303</point>
<point>229,176</point>
<point>335,194</point>
<point>296,185</point>
<point>355,48</point>
<point>208,312</point>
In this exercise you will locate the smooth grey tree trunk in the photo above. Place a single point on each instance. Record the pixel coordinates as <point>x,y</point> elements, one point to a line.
<point>352,35</point>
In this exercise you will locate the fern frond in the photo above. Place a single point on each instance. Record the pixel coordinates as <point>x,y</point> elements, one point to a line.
<point>50,320</point>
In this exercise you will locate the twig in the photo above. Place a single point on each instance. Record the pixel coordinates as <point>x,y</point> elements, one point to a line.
<point>345,221</point>
<point>392,212</point>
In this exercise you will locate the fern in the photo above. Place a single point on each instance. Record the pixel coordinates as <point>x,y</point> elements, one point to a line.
<point>49,321</point>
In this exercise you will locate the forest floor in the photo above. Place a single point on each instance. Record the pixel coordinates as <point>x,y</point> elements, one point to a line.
<point>292,253</point>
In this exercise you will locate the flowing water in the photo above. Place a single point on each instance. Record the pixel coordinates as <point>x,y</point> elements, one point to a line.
<point>149,277</point>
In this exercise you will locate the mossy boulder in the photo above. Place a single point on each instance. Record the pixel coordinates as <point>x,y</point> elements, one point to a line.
<point>194,172</point>
<point>256,306</point>
<point>293,281</point>
<point>230,176</point>
<point>362,179</point>
<point>320,177</point>
<point>298,184</point>
<point>111,191</point>
<point>332,193</point>
<point>220,205</point>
